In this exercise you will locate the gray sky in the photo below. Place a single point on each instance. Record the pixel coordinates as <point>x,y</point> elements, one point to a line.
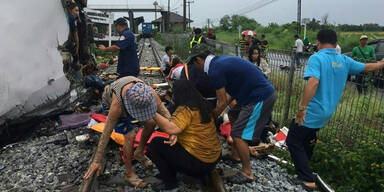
<point>280,11</point>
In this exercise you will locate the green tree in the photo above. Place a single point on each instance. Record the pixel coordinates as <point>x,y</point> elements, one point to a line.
<point>225,22</point>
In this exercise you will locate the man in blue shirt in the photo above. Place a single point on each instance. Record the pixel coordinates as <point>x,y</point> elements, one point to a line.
<point>237,79</point>
<point>128,64</point>
<point>326,75</point>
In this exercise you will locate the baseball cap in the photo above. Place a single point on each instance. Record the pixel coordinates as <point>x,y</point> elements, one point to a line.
<point>197,50</point>
<point>363,37</point>
<point>121,21</point>
<point>140,102</point>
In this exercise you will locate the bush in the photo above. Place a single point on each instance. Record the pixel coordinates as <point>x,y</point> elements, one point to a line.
<point>360,169</point>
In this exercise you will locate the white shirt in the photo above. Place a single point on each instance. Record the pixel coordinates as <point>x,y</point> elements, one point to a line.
<point>299,46</point>
<point>175,73</point>
<point>208,62</point>
<point>338,49</point>
<point>164,62</point>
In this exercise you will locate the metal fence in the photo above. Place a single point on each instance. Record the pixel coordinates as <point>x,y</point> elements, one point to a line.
<point>359,115</point>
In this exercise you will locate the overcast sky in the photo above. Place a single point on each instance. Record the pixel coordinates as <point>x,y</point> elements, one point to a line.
<point>280,11</point>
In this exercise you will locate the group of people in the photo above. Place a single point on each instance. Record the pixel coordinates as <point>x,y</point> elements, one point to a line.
<point>248,42</point>
<point>204,87</point>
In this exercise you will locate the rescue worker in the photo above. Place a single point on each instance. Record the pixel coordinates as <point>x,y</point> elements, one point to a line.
<point>326,76</point>
<point>197,38</point>
<point>129,98</point>
<point>237,79</point>
<point>128,64</point>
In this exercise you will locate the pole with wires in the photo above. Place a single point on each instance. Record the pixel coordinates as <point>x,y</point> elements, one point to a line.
<point>298,17</point>
<point>184,15</point>
<point>168,16</point>
<point>189,13</point>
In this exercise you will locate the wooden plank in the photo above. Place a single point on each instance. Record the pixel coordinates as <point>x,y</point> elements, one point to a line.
<point>91,184</point>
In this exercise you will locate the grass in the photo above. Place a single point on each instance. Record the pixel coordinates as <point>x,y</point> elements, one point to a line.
<point>358,116</point>
<point>281,38</point>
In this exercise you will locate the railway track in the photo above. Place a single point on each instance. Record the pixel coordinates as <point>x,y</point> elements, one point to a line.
<point>45,163</point>
<point>149,57</point>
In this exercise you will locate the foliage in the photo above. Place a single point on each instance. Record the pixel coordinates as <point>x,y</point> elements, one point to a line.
<point>281,36</point>
<point>232,22</point>
<point>361,169</point>
<point>102,57</point>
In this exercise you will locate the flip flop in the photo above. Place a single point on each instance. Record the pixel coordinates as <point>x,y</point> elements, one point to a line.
<point>239,178</point>
<point>135,181</point>
<point>297,181</point>
<point>145,161</point>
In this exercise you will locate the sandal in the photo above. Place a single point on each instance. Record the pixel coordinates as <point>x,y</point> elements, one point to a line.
<point>135,181</point>
<point>145,161</point>
<point>297,181</point>
<point>240,178</point>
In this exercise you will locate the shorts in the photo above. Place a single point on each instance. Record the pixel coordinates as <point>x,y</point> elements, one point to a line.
<point>123,125</point>
<point>252,118</point>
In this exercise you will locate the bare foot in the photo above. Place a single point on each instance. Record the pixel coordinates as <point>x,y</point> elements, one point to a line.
<point>253,151</point>
<point>310,184</point>
<point>143,159</point>
<point>135,181</point>
<point>249,176</point>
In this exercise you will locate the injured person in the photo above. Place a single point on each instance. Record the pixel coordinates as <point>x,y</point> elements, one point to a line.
<point>127,99</point>
<point>197,148</point>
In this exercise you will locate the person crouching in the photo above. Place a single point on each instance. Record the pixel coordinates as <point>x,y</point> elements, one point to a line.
<point>197,148</point>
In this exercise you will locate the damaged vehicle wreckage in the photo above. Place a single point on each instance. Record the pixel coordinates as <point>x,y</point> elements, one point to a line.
<point>51,115</point>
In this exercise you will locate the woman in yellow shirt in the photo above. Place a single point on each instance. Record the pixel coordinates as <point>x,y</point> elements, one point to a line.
<point>197,149</point>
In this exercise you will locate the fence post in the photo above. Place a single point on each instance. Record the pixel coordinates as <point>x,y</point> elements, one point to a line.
<point>237,50</point>
<point>290,85</point>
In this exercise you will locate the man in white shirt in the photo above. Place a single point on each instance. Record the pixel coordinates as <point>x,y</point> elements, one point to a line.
<point>166,61</point>
<point>299,45</point>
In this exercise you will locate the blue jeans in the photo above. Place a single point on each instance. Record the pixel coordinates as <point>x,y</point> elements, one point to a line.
<point>297,58</point>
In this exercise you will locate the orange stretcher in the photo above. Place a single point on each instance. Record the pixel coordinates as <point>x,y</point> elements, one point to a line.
<point>119,138</point>
<point>150,69</point>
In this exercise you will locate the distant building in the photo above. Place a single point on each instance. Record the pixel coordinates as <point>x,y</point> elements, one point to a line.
<point>175,20</point>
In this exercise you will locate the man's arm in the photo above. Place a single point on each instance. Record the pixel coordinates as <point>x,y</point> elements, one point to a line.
<point>76,36</point>
<point>374,66</point>
<point>112,48</point>
<point>161,109</point>
<point>309,91</point>
<point>222,98</point>
<point>113,116</point>
<point>372,54</point>
<point>354,53</point>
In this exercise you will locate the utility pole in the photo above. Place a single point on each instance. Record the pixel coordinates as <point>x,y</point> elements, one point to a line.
<point>155,4</point>
<point>208,24</point>
<point>169,15</point>
<point>184,15</point>
<point>189,13</point>
<point>298,16</point>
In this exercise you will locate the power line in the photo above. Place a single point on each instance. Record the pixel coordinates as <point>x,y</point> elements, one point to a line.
<point>255,6</point>
<point>249,8</point>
